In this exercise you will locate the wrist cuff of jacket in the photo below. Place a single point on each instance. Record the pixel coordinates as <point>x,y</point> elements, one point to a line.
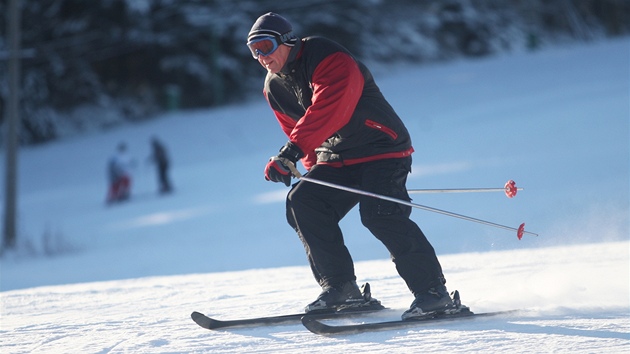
<point>291,152</point>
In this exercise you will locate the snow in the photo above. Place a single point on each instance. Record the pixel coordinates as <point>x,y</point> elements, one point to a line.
<point>92,278</point>
<point>574,299</point>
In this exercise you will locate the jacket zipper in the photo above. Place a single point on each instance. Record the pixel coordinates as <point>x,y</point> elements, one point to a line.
<point>384,129</point>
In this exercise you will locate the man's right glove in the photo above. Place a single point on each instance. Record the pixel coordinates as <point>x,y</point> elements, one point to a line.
<point>276,169</point>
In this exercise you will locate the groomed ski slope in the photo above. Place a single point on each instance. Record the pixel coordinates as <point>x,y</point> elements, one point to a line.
<point>574,300</point>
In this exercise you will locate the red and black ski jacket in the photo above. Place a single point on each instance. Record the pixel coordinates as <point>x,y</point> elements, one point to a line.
<point>328,104</point>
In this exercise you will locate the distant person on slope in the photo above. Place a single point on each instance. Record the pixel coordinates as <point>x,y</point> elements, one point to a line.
<point>118,169</point>
<point>160,158</point>
<point>344,131</point>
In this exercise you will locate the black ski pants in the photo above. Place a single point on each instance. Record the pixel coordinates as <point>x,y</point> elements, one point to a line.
<point>314,211</point>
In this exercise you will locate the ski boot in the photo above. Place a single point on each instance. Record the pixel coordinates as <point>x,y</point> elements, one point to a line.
<point>345,297</point>
<point>434,301</point>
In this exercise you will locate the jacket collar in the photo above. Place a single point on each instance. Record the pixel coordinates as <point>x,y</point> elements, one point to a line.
<point>293,54</point>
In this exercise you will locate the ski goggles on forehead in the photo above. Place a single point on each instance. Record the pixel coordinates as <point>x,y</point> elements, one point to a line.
<point>263,46</point>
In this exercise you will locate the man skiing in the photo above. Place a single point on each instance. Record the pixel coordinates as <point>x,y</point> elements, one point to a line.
<point>345,132</point>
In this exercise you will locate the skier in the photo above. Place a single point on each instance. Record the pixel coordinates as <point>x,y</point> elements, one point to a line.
<point>118,168</point>
<point>160,158</point>
<point>344,131</point>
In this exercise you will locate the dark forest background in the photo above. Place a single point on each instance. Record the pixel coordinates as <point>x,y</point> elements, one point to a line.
<point>90,65</point>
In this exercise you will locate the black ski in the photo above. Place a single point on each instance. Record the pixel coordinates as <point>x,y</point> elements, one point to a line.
<point>370,305</point>
<point>213,323</point>
<point>314,325</point>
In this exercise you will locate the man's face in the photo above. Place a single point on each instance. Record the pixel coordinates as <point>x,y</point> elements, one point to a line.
<point>276,60</point>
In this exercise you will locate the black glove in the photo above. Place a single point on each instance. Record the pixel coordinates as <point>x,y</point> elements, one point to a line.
<point>276,169</point>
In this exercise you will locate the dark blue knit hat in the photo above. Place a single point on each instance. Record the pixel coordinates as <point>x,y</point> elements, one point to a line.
<point>272,24</point>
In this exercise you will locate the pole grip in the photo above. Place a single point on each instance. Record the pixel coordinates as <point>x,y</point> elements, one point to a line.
<point>291,167</point>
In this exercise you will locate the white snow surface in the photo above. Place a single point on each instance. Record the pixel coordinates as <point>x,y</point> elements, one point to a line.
<point>91,278</point>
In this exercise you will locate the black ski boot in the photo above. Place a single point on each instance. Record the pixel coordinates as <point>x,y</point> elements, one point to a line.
<point>344,297</point>
<point>436,300</point>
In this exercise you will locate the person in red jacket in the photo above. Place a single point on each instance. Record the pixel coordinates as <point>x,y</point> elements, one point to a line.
<point>119,171</point>
<point>345,132</point>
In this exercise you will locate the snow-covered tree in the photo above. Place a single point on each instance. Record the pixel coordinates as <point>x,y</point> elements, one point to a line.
<point>95,64</point>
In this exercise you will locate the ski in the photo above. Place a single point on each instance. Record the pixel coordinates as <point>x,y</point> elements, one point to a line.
<point>314,325</point>
<point>370,305</point>
<point>214,324</point>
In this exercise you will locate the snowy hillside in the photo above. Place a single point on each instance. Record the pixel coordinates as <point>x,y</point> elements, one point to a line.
<point>557,122</point>
<point>574,300</point>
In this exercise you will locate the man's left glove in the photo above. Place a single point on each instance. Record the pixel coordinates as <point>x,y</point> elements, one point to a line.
<point>277,170</point>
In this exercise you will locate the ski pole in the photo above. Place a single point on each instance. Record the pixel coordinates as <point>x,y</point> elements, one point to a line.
<point>520,231</point>
<point>510,190</point>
